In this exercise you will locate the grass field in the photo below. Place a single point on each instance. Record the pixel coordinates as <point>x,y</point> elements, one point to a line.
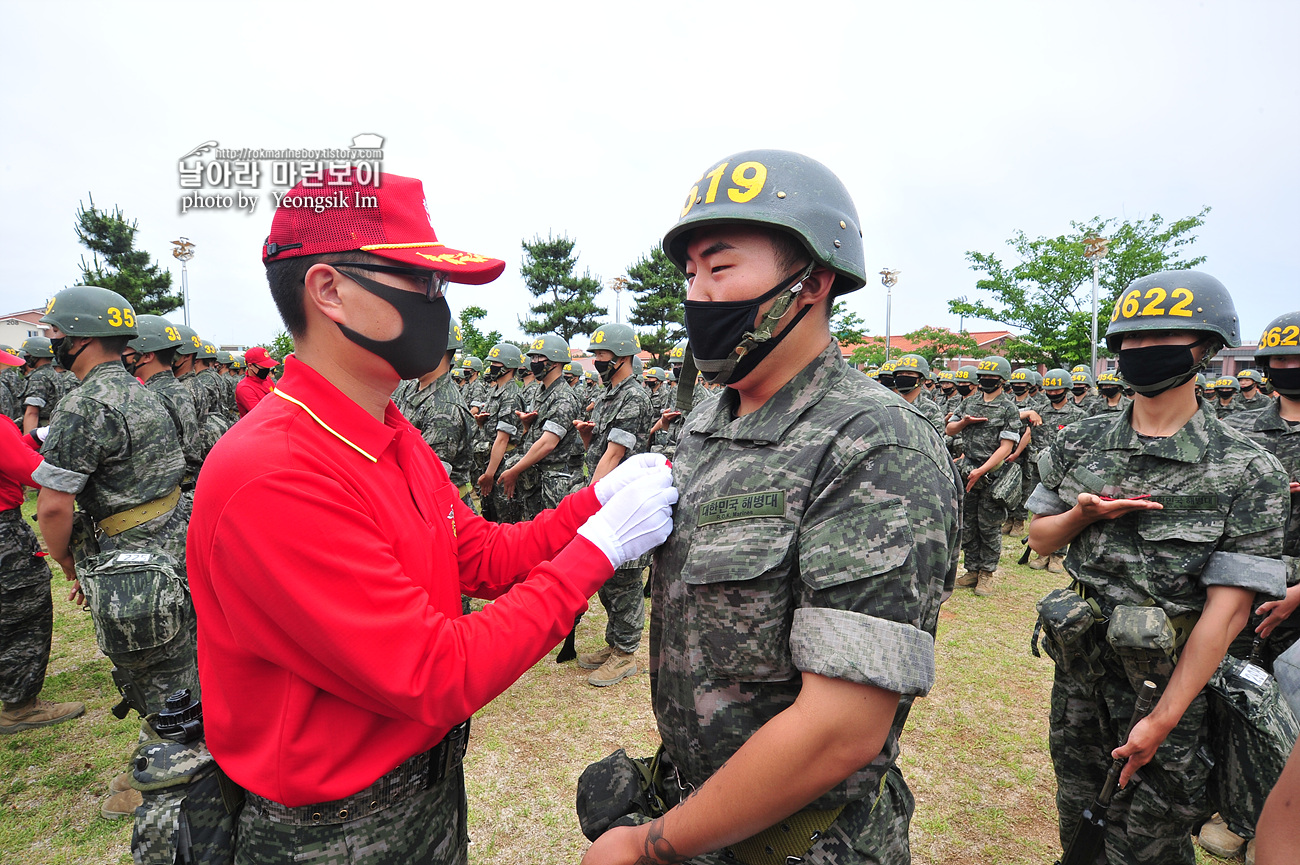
<point>974,751</point>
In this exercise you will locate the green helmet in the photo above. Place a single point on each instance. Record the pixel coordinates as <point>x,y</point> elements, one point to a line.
<point>191,342</point>
<point>994,365</point>
<point>872,372</point>
<point>471,363</point>
<point>964,375</point>
<point>783,190</point>
<point>672,376</point>
<point>943,375</point>
<point>912,363</point>
<point>593,376</point>
<point>618,338</point>
<point>1080,367</point>
<point>656,373</point>
<point>224,358</point>
<point>154,333</point>
<point>1281,336</point>
<point>1226,382</point>
<point>1251,374</point>
<point>572,370</point>
<point>1057,379</point>
<point>457,373</point>
<point>1035,378</point>
<point>507,354</point>
<point>551,347</point>
<point>678,354</point>
<point>1202,380</point>
<point>37,346</point>
<point>1021,376</point>
<point>88,310</point>
<point>1081,377</point>
<point>207,351</point>
<point>1109,378</point>
<point>1175,300</point>
<point>638,367</point>
<point>454,340</point>
<point>237,361</point>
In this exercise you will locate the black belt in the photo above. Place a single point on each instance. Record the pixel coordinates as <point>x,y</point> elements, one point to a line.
<point>416,775</point>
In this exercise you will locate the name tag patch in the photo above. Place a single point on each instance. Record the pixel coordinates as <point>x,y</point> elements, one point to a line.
<point>1188,503</point>
<point>768,504</point>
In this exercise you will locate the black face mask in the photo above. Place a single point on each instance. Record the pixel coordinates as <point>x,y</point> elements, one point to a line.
<point>66,358</point>
<point>906,383</point>
<point>947,391</point>
<point>1020,389</point>
<point>1225,393</point>
<point>1057,398</point>
<point>1247,388</point>
<point>538,367</point>
<point>492,373</point>
<point>715,328</point>
<point>887,381</point>
<point>132,361</point>
<point>420,347</point>
<point>1285,381</point>
<point>1109,392</point>
<point>990,385</point>
<point>606,369</point>
<point>261,372</point>
<point>1154,369</point>
<point>965,389</point>
<point>1079,390</point>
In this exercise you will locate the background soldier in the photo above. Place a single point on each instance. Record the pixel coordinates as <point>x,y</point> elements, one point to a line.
<point>1250,382</point>
<point>1060,412</point>
<point>12,384</point>
<point>541,472</point>
<point>1111,400</point>
<point>435,406</point>
<point>909,371</point>
<point>619,428</point>
<point>1084,397</point>
<point>475,392</point>
<point>44,386</point>
<point>149,357</point>
<point>498,426</point>
<point>1227,393</point>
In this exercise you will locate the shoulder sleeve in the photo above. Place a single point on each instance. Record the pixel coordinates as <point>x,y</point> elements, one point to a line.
<point>75,443</point>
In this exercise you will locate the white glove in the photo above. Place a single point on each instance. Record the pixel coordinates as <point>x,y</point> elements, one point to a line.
<point>636,520</point>
<point>626,472</point>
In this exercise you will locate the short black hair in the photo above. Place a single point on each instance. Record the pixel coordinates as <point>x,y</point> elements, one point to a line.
<point>286,279</point>
<point>115,344</point>
<point>165,355</point>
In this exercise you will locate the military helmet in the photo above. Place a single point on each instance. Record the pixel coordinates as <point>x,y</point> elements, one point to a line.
<point>1058,379</point>
<point>454,339</point>
<point>943,375</point>
<point>888,367</point>
<point>964,375</point>
<point>1035,378</point>
<point>207,351</point>
<point>1109,377</point>
<point>994,365</point>
<point>237,361</point>
<point>1080,367</point>
<point>1251,374</point>
<point>872,372</point>
<point>593,376</point>
<point>507,354</point>
<point>8,349</point>
<point>1202,380</point>
<point>154,333</point>
<point>1020,376</point>
<point>572,370</point>
<point>457,373</point>
<point>1281,336</point>
<point>656,373</point>
<point>224,358</point>
<point>618,338</point>
<point>88,310</point>
<point>1225,382</point>
<point>678,353</point>
<point>913,363</point>
<point>471,363</point>
<point>1082,377</point>
<point>1175,300</point>
<point>551,347</point>
<point>37,346</point>
<point>782,190</point>
<point>191,342</point>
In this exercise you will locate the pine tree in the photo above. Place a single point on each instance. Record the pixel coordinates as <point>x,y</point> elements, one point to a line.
<point>475,342</point>
<point>566,303</point>
<point>659,289</point>
<point>124,269</point>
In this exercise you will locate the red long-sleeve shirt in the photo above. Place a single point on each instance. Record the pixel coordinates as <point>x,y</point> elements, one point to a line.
<point>17,462</point>
<point>249,391</point>
<point>334,648</point>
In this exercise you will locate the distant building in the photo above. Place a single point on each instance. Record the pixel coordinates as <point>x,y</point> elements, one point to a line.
<point>18,326</point>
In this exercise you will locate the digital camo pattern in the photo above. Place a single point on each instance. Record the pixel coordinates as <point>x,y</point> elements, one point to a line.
<point>503,403</point>
<point>1221,494</point>
<point>429,827</point>
<point>1222,411</point>
<point>179,785</point>
<point>1088,403</point>
<point>44,388</point>
<point>1055,419</point>
<point>816,534</point>
<point>13,384</point>
<point>1255,403</point>
<point>178,401</point>
<point>621,411</point>
<point>26,610</point>
<point>475,393</point>
<point>1103,407</point>
<point>980,440</point>
<point>659,402</point>
<point>551,478</point>
<point>440,414</point>
<point>981,530</point>
<point>930,411</point>
<point>528,394</point>
<point>1267,429</point>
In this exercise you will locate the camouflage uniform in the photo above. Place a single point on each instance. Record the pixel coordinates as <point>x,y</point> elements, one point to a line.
<point>622,415</point>
<point>981,534</point>
<point>179,403</point>
<point>1222,411</point>
<point>659,401</point>
<point>476,395</point>
<point>929,409</point>
<point>112,444</point>
<point>528,394</point>
<point>13,383</point>
<point>26,610</point>
<point>545,483</point>
<point>816,534</point>
<point>44,388</point>
<point>502,403</point>
<point>444,422</point>
<point>1258,401</point>
<point>1222,523</point>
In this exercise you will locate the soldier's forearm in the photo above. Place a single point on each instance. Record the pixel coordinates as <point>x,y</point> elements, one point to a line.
<point>54,515</point>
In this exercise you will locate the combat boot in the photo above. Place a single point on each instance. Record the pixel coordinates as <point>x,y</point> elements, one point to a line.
<point>1017,526</point>
<point>1250,852</point>
<point>121,805</point>
<point>37,713</point>
<point>120,783</point>
<point>594,660</point>
<point>1038,562</point>
<point>1006,527</point>
<point>618,667</point>
<point>1056,564</point>
<point>968,579</point>
<point>984,587</point>
<point>1218,839</point>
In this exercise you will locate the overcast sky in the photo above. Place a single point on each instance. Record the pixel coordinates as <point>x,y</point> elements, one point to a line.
<point>952,124</point>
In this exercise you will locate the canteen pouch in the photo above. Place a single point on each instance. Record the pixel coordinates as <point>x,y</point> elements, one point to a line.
<point>625,791</point>
<point>1007,488</point>
<point>1066,621</point>
<point>1143,640</point>
<point>135,598</point>
<point>189,813</point>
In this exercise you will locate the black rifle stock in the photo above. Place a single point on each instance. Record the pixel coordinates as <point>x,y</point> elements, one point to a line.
<point>1089,837</point>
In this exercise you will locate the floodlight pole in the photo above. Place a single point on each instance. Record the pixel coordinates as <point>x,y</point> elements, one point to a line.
<point>184,251</point>
<point>888,278</point>
<point>1094,249</point>
<point>618,283</point>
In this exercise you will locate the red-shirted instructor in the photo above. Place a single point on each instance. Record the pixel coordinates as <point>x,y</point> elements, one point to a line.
<point>257,381</point>
<point>338,673</point>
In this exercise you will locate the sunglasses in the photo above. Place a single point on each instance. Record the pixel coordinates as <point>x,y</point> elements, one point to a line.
<point>433,282</point>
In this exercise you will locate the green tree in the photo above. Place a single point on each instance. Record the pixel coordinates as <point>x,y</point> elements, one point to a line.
<point>124,269</point>
<point>871,352</point>
<point>1047,293</point>
<point>847,326</point>
<point>281,346</point>
<point>658,289</point>
<point>477,343</point>
<point>936,342</point>
<point>565,302</point>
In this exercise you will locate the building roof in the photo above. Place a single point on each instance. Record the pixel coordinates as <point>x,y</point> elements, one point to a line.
<point>904,345</point>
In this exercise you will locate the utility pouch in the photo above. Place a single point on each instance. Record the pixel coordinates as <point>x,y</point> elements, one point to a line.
<point>625,791</point>
<point>1007,487</point>
<point>188,814</point>
<point>83,541</point>
<point>1143,640</point>
<point>136,599</point>
<point>1066,621</point>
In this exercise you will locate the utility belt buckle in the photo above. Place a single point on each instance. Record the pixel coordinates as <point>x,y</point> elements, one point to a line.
<point>447,754</point>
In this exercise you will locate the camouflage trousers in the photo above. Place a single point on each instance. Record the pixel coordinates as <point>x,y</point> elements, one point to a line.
<point>1150,822</point>
<point>981,527</point>
<point>163,670</point>
<point>624,604</point>
<point>26,610</point>
<point>1028,480</point>
<point>427,829</point>
<point>554,485</point>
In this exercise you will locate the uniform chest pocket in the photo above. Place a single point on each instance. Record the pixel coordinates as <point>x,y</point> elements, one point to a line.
<point>1179,542</point>
<point>738,575</point>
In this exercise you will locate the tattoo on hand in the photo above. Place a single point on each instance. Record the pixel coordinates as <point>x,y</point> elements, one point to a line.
<point>658,849</point>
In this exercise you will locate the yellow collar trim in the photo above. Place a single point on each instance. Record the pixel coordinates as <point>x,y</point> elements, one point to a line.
<point>400,245</point>
<point>282,395</point>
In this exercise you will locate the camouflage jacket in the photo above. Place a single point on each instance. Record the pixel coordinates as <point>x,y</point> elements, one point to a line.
<point>1269,430</point>
<point>113,445</point>
<point>44,389</point>
<point>1054,420</point>
<point>1102,407</point>
<point>179,403</point>
<point>659,401</point>
<point>622,415</point>
<point>13,384</point>
<point>440,414</point>
<point>528,394</point>
<point>214,391</point>
<point>198,393</point>
<point>1225,507</point>
<point>502,403</point>
<point>931,412</point>
<point>1221,411</point>
<point>557,408</point>
<point>475,394</point>
<point>981,440</point>
<point>816,534</point>
<point>1255,404</point>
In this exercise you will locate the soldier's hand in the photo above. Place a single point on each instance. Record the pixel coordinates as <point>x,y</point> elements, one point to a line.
<point>507,481</point>
<point>485,484</point>
<point>527,416</point>
<point>1034,418</point>
<point>975,475</point>
<point>621,845</point>
<point>1277,612</point>
<point>1094,508</point>
<point>970,419</point>
<point>77,596</point>
<point>1143,740</point>
<point>1295,487</point>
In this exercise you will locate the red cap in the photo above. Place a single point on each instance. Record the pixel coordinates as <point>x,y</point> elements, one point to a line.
<point>8,358</point>
<point>396,227</point>
<point>257,356</point>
